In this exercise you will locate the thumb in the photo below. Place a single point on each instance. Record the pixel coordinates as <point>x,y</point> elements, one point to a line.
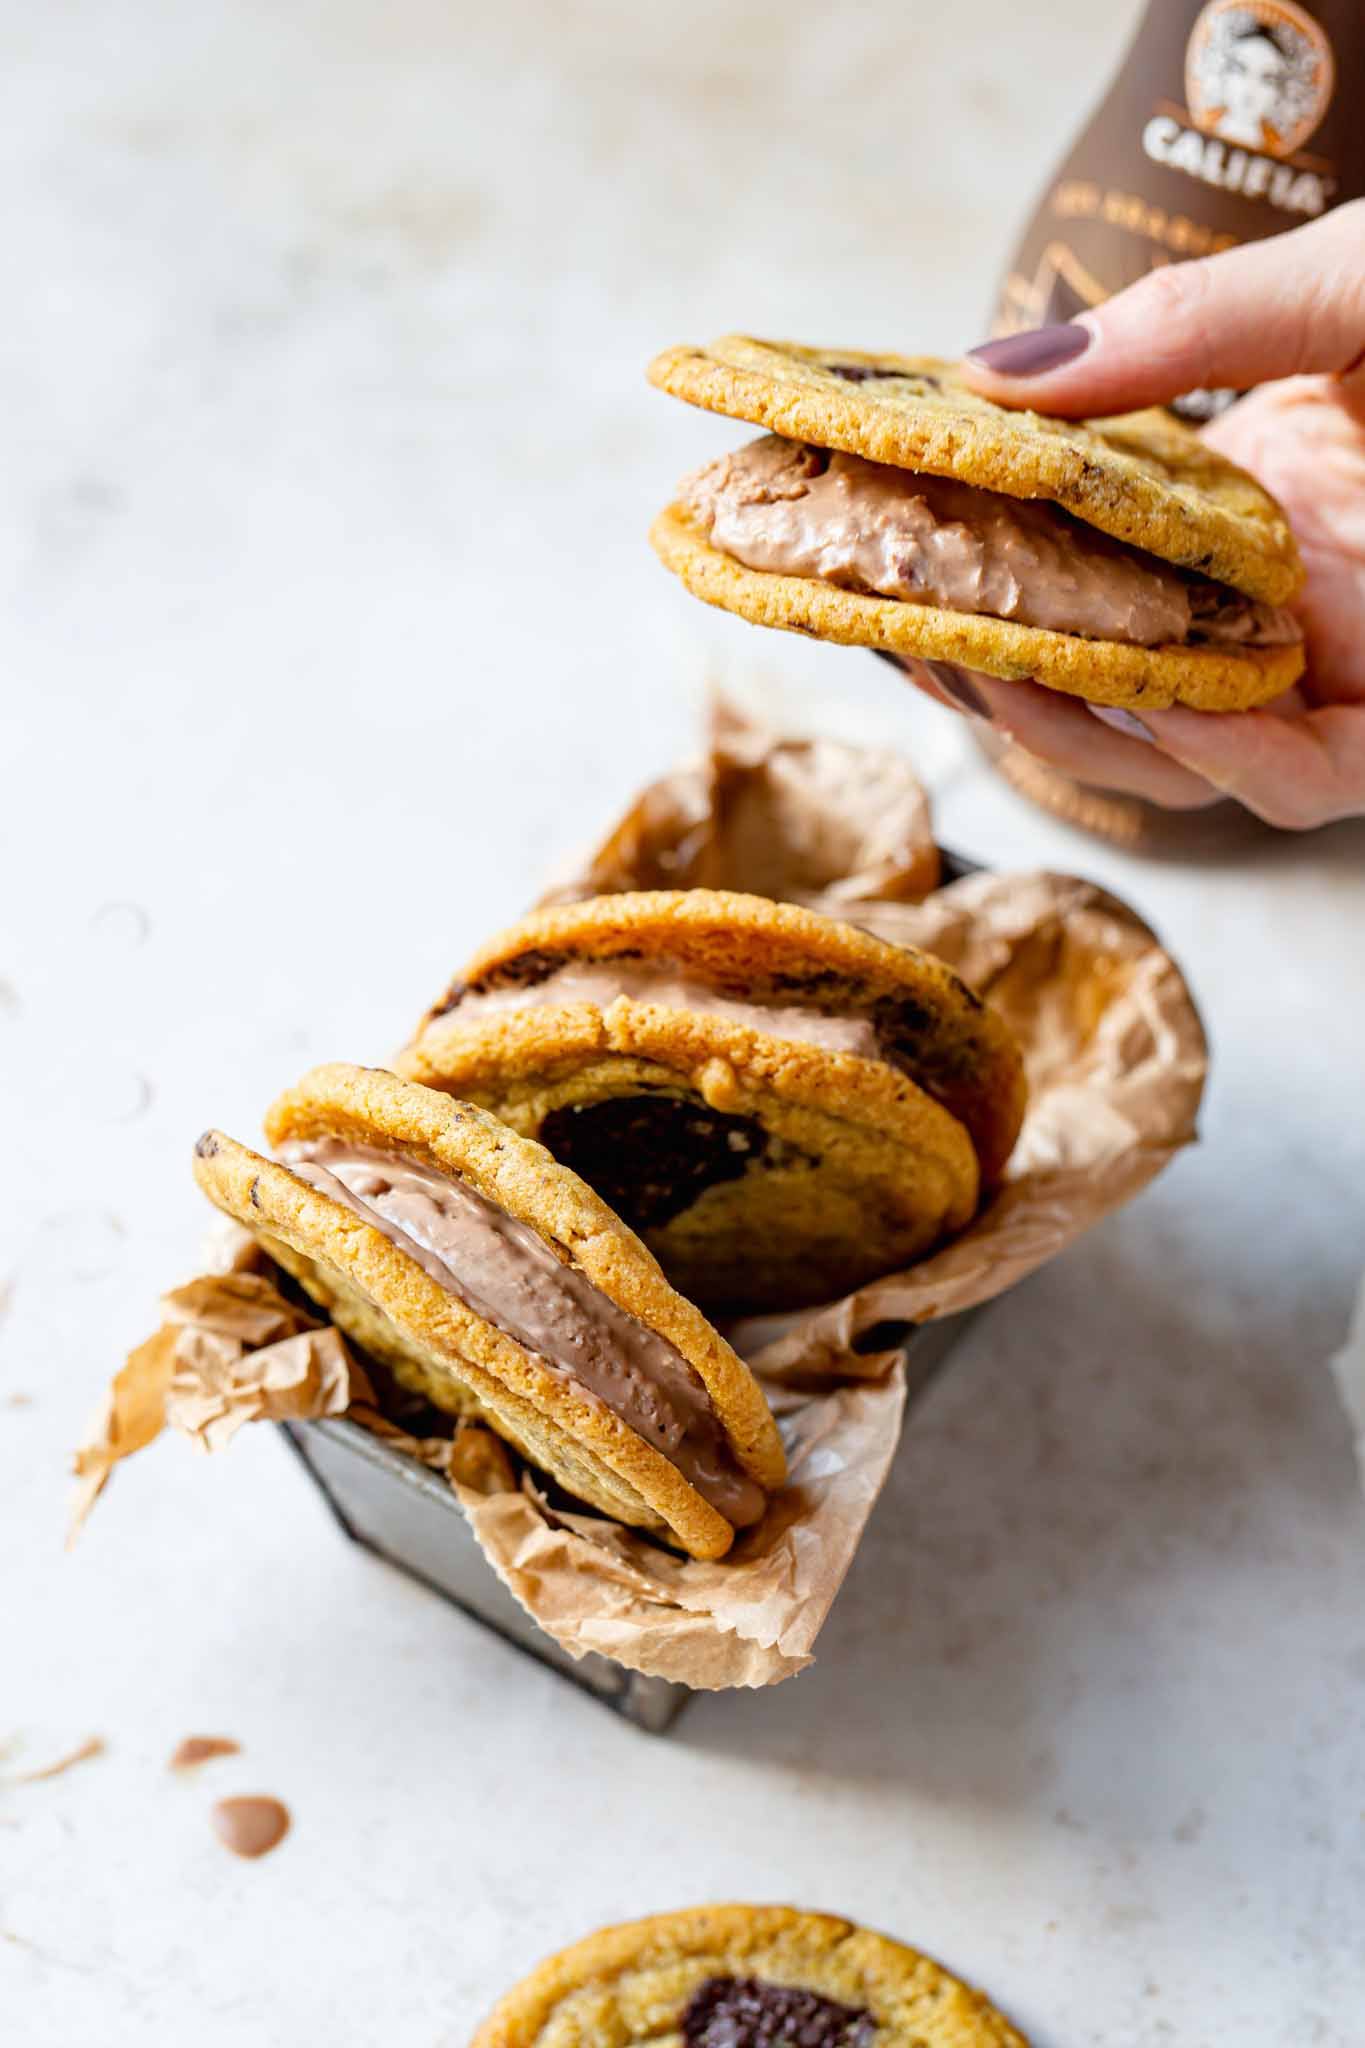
<point>1276,308</point>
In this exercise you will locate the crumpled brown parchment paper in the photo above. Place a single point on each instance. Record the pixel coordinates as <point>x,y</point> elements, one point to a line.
<point>1116,1061</point>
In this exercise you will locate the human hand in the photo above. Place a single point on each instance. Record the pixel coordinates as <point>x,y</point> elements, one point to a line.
<point>1286,314</point>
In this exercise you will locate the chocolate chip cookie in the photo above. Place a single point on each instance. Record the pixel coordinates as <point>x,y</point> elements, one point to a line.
<point>780,1104</point>
<point>493,1281</point>
<point>744,1977</point>
<point>890,506</point>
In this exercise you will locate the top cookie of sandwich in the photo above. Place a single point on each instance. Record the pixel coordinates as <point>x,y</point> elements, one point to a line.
<point>744,1977</point>
<point>1143,478</point>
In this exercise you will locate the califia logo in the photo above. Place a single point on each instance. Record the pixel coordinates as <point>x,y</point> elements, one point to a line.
<point>1258,77</point>
<point>1259,74</point>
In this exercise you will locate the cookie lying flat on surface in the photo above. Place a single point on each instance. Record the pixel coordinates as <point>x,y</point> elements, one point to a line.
<point>780,1104</point>
<point>890,506</point>
<point>743,1977</point>
<point>494,1282</point>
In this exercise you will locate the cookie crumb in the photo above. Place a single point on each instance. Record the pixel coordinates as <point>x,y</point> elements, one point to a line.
<point>94,1745</point>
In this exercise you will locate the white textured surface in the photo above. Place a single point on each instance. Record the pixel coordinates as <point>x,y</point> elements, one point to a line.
<point>327,463</point>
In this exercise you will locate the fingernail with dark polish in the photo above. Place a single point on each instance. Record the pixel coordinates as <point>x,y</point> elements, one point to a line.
<point>1121,721</point>
<point>957,684</point>
<point>1034,352</point>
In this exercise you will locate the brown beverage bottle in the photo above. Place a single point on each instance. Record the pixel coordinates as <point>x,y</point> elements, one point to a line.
<point>1225,122</point>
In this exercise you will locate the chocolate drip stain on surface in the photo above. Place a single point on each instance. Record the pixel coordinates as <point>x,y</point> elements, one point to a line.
<point>651,1156</point>
<point>744,2012</point>
<point>201,1749</point>
<point>93,1746</point>
<point>250,1826</point>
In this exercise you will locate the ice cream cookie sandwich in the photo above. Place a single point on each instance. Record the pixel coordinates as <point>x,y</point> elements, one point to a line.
<point>888,505</point>
<point>490,1279</point>
<point>780,1104</point>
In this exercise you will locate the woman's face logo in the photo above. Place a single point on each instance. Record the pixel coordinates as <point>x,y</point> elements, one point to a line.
<point>1254,84</point>
<point>1259,74</point>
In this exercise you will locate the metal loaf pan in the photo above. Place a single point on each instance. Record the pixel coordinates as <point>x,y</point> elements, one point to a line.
<point>409,1517</point>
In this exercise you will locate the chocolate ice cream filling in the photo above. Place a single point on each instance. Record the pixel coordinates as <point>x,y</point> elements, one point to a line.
<point>796,510</point>
<point>665,984</point>
<point>505,1272</point>
<point>895,1029</point>
<point>746,2012</point>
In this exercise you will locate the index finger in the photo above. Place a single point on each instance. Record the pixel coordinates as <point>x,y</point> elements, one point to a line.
<point>1292,303</point>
